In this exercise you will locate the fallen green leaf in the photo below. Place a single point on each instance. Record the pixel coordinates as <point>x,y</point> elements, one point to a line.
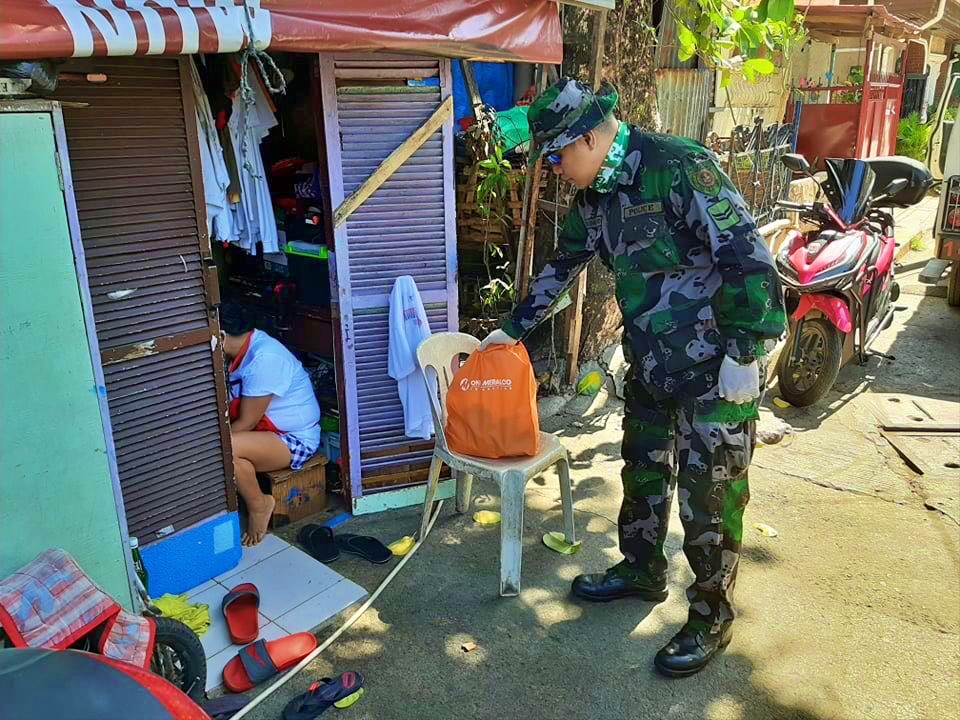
<point>558,543</point>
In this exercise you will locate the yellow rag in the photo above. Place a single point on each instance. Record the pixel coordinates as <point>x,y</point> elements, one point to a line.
<point>196,616</point>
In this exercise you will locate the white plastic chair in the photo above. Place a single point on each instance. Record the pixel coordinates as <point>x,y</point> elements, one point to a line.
<point>441,354</point>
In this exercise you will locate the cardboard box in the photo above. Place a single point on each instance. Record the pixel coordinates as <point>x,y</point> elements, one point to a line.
<point>299,493</point>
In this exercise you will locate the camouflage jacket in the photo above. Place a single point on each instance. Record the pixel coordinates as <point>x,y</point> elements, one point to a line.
<point>694,279</point>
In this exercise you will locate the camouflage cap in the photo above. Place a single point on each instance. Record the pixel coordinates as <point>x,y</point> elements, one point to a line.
<point>567,110</point>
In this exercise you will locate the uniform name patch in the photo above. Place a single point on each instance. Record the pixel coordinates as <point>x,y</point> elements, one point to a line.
<point>650,208</point>
<point>593,222</point>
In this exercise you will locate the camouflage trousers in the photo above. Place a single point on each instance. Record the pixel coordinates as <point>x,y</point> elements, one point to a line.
<point>703,447</point>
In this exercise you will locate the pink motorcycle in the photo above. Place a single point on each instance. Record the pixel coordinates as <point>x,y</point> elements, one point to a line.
<point>839,278</point>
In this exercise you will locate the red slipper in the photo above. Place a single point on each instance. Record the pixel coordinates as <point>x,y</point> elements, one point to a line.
<point>239,607</point>
<point>263,659</point>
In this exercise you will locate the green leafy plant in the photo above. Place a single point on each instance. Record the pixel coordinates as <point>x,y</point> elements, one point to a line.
<point>495,180</point>
<point>913,137</point>
<point>735,36</point>
<point>500,289</point>
<point>855,82</point>
<point>848,97</point>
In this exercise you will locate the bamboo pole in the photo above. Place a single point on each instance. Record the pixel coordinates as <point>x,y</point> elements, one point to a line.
<point>579,291</point>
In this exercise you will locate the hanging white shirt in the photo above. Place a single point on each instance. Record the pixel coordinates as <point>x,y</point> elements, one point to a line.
<point>213,168</point>
<point>408,328</point>
<point>253,215</point>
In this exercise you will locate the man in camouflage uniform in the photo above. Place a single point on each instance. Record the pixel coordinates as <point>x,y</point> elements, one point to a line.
<point>701,306</point>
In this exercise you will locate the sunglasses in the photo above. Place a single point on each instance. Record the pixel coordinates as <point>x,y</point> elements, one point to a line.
<point>553,159</point>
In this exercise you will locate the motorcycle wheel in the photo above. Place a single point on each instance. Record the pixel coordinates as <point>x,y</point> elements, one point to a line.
<point>178,657</point>
<point>807,380</point>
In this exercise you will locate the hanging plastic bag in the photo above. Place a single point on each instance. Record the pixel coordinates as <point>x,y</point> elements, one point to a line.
<point>492,405</point>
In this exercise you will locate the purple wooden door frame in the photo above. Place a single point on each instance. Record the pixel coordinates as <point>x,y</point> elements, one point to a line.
<point>356,308</point>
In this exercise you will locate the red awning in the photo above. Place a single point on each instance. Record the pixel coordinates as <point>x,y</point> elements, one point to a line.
<point>527,30</point>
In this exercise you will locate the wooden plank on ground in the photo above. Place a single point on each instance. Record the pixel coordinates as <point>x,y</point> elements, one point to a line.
<point>927,453</point>
<point>393,162</point>
<point>901,412</point>
<point>922,428</point>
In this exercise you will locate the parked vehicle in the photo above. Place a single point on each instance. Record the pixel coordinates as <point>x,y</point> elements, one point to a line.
<point>839,278</point>
<point>52,603</point>
<point>39,683</point>
<point>944,160</point>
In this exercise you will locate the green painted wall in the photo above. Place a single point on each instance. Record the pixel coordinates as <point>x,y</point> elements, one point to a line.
<point>55,486</point>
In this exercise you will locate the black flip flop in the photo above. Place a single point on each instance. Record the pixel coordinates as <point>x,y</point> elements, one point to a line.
<point>366,547</point>
<point>225,707</point>
<point>321,695</point>
<point>318,540</point>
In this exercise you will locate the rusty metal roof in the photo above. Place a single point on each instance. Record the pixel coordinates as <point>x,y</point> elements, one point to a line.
<point>895,18</point>
<point>826,16</point>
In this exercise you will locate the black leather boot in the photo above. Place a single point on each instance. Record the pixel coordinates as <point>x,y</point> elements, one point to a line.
<point>613,585</point>
<point>690,650</point>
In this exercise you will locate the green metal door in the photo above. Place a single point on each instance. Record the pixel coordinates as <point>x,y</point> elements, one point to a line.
<point>56,488</point>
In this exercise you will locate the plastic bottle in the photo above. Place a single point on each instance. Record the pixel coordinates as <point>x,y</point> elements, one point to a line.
<point>138,565</point>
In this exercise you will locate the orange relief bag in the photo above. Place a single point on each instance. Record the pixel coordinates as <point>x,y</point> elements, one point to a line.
<point>492,405</point>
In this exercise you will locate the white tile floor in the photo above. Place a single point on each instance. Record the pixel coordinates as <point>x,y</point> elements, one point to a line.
<point>297,594</point>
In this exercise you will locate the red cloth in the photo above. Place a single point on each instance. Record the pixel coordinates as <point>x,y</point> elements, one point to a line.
<point>51,603</point>
<point>527,30</point>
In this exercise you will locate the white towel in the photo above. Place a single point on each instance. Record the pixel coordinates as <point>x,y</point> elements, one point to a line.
<point>408,328</point>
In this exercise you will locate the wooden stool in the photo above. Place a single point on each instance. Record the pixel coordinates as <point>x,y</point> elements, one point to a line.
<point>298,492</point>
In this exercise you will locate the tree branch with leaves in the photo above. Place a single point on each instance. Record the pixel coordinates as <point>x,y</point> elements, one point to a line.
<point>737,37</point>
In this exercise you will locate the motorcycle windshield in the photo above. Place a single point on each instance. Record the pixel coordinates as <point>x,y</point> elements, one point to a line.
<point>848,187</point>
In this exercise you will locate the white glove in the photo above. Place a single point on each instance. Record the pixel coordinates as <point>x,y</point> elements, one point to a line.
<point>497,337</point>
<point>739,383</point>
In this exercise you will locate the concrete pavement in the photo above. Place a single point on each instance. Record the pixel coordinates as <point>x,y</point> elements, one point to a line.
<point>851,612</point>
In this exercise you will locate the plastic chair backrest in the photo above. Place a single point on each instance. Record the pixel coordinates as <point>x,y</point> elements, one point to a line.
<point>440,355</point>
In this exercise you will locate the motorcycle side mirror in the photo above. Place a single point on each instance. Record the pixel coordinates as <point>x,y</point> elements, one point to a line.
<point>890,190</point>
<point>895,186</point>
<point>796,163</point>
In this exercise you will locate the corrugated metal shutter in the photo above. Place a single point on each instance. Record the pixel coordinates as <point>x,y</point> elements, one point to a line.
<point>406,228</point>
<point>667,42</point>
<point>684,97</point>
<point>135,171</point>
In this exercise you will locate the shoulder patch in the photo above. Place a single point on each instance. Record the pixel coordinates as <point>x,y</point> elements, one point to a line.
<point>704,176</point>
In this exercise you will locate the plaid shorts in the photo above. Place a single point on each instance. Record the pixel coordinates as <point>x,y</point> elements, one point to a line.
<point>300,452</point>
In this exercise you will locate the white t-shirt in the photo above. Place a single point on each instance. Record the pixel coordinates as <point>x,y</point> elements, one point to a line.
<point>409,327</point>
<point>268,368</point>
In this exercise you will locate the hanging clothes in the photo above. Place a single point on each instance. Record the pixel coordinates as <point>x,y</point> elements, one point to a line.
<point>213,167</point>
<point>408,328</point>
<point>253,215</point>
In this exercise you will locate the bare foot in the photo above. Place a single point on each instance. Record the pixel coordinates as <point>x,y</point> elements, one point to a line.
<point>257,522</point>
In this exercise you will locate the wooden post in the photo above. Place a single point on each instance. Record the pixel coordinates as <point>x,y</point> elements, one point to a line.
<point>579,291</point>
<point>393,162</point>
<point>864,124</point>
<point>528,223</point>
<point>472,89</point>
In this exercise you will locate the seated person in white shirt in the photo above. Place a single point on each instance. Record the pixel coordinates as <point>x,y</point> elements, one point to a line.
<point>275,418</point>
